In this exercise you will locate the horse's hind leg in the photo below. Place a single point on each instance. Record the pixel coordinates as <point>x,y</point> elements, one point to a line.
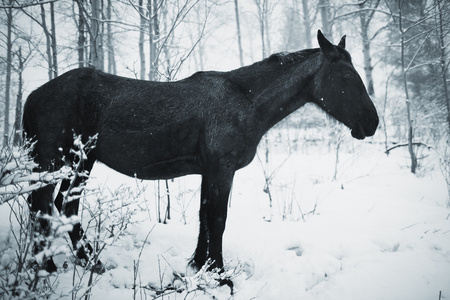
<point>71,208</point>
<point>41,201</point>
<point>84,249</point>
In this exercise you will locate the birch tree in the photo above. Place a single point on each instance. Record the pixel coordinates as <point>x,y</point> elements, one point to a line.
<point>81,41</point>
<point>239,34</point>
<point>324,8</point>
<point>307,23</point>
<point>364,11</point>
<point>365,17</point>
<point>153,34</point>
<point>142,30</point>
<point>9,24</point>
<point>111,65</point>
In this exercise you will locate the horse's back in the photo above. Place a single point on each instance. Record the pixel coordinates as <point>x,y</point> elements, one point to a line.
<point>138,122</point>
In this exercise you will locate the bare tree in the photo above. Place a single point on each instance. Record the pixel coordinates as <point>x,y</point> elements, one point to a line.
<point>324,8</point>
<point>238,28</point>
<point>306,23</point>
<point>9,24</point>
<point>263,18</point>
<point>142,30</point>
<point>17,140</point>
<point>441,33</point>
<point>81,42</point>
<point>407,98</point>
<point>92,23</point>
<point>365,17</point>
<point>53,40</point>
<point>109,40</point>
<point>95,52</point>
<point>365,11</point>
<point>153,35</point>
<point>405,67</point>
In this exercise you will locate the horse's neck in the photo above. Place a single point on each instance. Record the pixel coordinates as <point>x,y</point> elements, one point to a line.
<point>276,89</point>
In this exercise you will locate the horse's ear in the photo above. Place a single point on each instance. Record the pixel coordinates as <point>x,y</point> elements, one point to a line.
<point>327,48</point>
<point>342,42</point>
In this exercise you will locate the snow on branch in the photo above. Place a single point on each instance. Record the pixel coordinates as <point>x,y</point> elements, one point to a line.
<point>18,173</point>
<point>17,176</point>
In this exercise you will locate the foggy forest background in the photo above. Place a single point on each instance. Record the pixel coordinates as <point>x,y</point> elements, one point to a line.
<point>400,48</point>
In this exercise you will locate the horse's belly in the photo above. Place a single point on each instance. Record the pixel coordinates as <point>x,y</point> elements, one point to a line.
<point>167,169</point>
<point>147,157</point>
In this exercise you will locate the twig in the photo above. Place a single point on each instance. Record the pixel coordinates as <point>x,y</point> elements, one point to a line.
<point>405,145</point>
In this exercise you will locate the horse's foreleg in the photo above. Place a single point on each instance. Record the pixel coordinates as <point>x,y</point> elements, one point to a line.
<point>201,252</point>
<point>216,186</point>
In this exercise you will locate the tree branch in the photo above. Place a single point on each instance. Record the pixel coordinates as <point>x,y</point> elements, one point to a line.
<point>406,145</point>
<point>24,5</point>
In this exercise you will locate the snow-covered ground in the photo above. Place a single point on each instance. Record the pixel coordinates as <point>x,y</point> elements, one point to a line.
<point>376,232</point>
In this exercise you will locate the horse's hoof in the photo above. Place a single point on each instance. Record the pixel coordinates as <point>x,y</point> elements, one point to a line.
<point>228,282</point>
<point>193,267</point>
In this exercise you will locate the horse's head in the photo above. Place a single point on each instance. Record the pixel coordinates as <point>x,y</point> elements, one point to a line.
<point>339,90</point>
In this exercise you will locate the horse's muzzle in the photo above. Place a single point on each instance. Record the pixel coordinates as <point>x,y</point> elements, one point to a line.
<point>361,131</point>
<point>358,132</point>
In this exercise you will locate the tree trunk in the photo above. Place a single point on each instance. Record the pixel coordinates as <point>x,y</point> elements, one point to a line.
<point>263,42</point>
<point>109,41</point>
<point>262,16</point>
<point>9,19</point>
<point>95,47</point>
<point>266,27</point>
<point>18,120</point>
<point>142,40</point>
<point>48,43</point>
<point>53,41</point>
<point>366,53</point>
<point>238,26</point>
<point>155,37</point>
<point>443,61</point>
<point>81,37</point>
<point>170,68</point>
<point>324,14</point>
<point>365,17</point>
<point>408,102</point>
<point>152,40</point>
<point>306,23</point>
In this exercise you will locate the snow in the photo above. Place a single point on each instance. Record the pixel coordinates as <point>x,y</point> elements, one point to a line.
<point>376,232</point>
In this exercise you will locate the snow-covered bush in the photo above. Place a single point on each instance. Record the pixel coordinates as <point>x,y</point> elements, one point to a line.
<point>21,274</point>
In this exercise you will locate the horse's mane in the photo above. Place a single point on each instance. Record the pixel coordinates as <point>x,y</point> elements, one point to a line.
<point>291,57</point>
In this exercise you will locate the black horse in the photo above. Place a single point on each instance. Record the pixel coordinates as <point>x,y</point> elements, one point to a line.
<point>208,124</point>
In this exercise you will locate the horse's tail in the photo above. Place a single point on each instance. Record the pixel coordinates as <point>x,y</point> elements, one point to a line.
<point>26,122</point>
<point>29,124</point>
